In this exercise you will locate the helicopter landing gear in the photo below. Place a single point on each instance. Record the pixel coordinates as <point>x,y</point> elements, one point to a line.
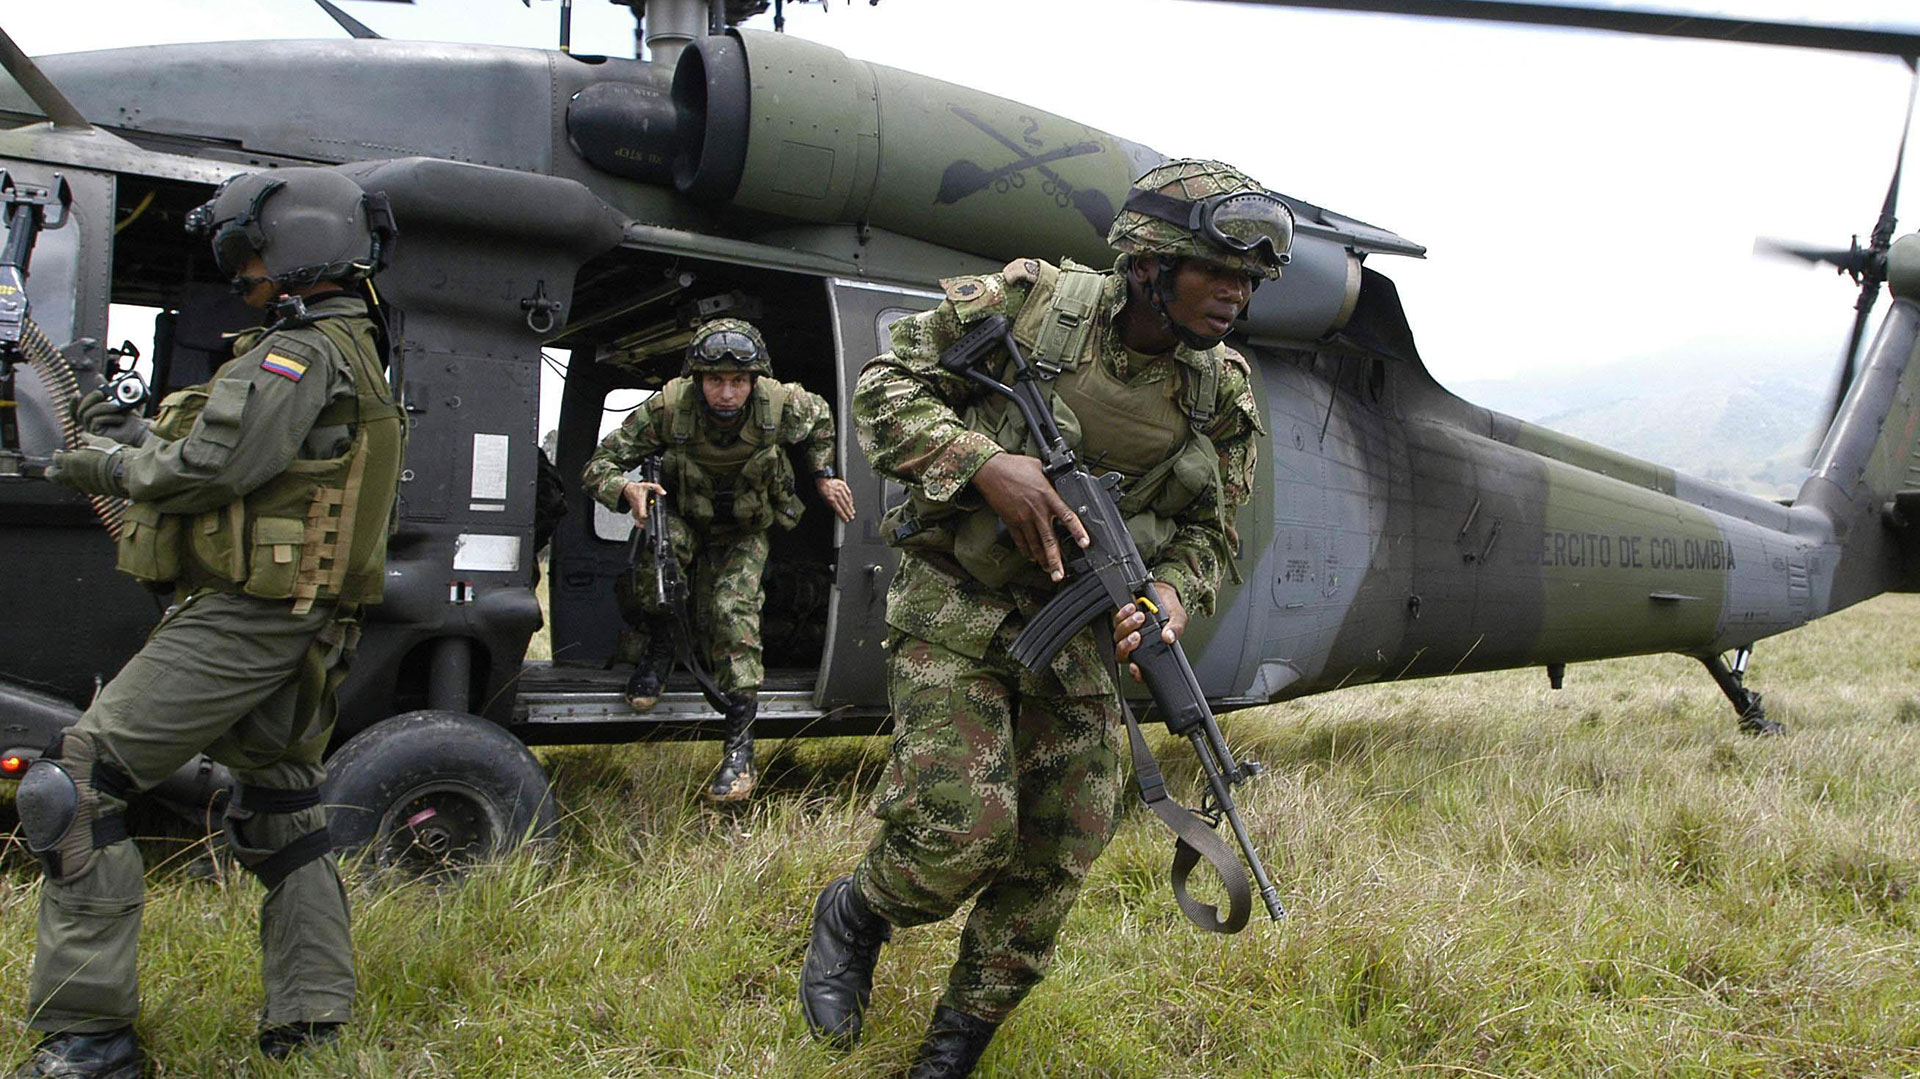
<point>1732,681</point>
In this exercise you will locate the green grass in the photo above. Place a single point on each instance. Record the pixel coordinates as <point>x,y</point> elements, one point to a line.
<point>1486,877</point>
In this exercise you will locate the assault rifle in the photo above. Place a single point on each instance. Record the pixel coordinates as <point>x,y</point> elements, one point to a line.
<point>654,541</point>
<point>1103,577</point>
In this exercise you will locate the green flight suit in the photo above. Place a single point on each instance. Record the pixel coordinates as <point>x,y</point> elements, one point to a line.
<point>247,680</point>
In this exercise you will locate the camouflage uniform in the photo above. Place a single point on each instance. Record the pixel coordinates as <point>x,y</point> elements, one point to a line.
<point>723,564</point>
<point>1003,782</point>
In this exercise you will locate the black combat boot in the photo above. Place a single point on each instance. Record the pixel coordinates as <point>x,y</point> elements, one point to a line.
<point>733,782</point>
<point>837,979</point>
<point>113,1055</point>
<point>282,1041</point>
<point>650,674</point>
<point>952,1046</point>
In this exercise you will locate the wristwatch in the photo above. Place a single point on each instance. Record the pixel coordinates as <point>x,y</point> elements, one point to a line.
<point>826,473</point>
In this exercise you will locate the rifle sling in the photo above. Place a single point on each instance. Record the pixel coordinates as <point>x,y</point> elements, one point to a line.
<point>1193,838</point>
<point>684,648</point>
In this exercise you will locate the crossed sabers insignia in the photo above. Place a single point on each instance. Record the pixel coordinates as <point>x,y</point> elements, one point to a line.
<point>964,178</point>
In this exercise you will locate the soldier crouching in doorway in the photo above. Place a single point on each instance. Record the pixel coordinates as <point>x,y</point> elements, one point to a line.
<point>1005,783</point>
<point>722,430</point>
<point>263,498</point>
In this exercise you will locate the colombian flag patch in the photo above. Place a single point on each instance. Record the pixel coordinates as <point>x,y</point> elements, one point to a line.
<point>285,366</point>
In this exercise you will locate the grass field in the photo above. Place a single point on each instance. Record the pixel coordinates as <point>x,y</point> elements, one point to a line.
<point>1486,878</point>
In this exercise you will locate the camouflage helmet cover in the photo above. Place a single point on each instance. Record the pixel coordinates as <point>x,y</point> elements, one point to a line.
<point>728,344</point>
<point>1190,179</point>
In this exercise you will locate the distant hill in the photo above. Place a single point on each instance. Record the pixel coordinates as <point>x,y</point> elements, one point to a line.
<point>1745,425</point>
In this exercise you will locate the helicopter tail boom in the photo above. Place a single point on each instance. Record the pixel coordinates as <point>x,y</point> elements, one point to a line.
<point>1868,468</point>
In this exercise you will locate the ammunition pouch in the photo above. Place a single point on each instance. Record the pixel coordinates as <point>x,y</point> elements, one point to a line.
<point>1055,328</point>
<point>747,486</point>
<point>1184,483</point>
<point>151,545</point>
<point>316,532</point>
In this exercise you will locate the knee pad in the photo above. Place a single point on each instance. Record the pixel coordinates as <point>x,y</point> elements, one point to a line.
<point>273,865</point>
<point>59,805</point>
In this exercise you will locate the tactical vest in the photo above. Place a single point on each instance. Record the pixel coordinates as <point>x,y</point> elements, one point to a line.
<point>316,532</point>
<point>1155,437</point>
<point>745,485</point>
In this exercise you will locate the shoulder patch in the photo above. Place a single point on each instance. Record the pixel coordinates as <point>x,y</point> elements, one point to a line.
<point>962,289</point>
<point>973,297</point>
<point>1021,271</point>
<point>284,365</point>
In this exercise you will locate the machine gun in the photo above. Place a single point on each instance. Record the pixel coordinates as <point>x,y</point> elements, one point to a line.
<point>1108,574</point>
<point>23,212</point>
<point>654,541</point>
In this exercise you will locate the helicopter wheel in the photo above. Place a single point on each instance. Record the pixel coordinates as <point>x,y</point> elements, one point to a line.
<point>433,792</point>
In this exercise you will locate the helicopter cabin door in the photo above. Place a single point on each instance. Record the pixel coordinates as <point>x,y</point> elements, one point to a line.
<point>852,669</point>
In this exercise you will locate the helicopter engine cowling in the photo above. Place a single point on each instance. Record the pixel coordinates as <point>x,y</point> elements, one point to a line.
<point>781,126</point>
<point>624,128</point>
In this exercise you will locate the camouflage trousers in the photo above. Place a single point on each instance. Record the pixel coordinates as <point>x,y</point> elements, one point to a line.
<point>998,786</point>
<point>251,684</point>
<point>726,594</point>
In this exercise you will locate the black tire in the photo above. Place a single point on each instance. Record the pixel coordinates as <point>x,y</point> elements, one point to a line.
<point>431,791</point>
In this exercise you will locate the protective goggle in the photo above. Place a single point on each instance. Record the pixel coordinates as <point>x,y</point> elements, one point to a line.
<point>1241,223</point>
<point>718,347</point>
<point>236,239</point>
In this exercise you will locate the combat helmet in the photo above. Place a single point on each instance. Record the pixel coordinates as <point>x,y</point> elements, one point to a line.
<point>728,344</point>
<point>1205,209</point>
<point>306,224</point>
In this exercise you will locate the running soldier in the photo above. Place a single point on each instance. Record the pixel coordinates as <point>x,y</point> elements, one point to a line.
<point>722,430</point>
<point>1005,783</point>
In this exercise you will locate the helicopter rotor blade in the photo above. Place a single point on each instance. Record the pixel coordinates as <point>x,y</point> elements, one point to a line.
<point>360,31</point>
<point>1847,260</point>
<point>59,111</point>
<point>1873,269</point>
<point>1885,40</point>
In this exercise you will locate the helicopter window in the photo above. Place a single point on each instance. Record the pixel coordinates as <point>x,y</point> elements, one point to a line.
<point>619,404</point>
<point>53,284</point>
<point>883,322</point>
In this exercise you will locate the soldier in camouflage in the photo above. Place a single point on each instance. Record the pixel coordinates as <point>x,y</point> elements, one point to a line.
<point>262,497</point>
<point>721,430</point>
<point>1004,783</point>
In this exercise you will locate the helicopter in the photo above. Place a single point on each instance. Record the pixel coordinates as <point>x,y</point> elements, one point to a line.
<point>598,208</point>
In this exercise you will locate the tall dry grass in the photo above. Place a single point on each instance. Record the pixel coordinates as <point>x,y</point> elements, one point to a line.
<point>1486,878</point>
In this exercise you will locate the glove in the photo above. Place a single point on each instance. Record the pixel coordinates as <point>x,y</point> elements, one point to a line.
<point>91,468</point>
<point>98,414</point>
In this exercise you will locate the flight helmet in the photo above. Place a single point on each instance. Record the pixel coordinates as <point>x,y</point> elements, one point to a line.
<point>306,224</point>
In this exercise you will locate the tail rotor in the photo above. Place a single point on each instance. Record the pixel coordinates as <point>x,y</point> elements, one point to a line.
<point>1867,266</point>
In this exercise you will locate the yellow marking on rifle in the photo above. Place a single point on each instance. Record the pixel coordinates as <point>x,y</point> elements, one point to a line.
<point>1149,605</point>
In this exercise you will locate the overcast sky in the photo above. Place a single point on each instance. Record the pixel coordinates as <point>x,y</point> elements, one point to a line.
<point>1586,198</point>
